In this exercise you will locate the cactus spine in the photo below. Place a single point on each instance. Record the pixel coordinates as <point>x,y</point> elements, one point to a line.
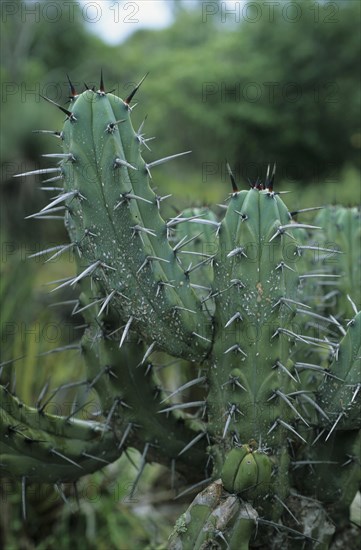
<point>223,295</point>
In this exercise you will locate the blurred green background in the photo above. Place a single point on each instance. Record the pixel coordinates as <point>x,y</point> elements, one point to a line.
<point>248,82</point>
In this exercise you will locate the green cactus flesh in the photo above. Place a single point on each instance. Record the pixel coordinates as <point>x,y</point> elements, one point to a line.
<point>227,298</point>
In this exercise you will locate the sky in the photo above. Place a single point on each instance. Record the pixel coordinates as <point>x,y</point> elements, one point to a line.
<point>115,20</point>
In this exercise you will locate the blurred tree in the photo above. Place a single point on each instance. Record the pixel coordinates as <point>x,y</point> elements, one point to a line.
<point>258,86</point>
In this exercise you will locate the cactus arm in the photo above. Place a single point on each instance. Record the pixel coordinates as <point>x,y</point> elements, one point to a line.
<point>49,448</point>
<point>342,230</point>
<point>132,254</point>
<point>252,282</point>
<point>129,397</point>
<point>214,518</point>
<point>340,395</point>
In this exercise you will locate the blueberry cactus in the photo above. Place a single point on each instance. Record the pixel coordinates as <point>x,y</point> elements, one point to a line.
<point>272,417</point>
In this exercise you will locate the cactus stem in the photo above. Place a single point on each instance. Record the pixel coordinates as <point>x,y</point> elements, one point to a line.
<point>132,94</point>
<point>37,172</point>
<point>183,406</point>
<point>57,453</point>
<point>125,331</point>
<point>69,114</point>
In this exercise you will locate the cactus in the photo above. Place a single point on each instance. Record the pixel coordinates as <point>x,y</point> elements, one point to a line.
<point>222,295</point>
